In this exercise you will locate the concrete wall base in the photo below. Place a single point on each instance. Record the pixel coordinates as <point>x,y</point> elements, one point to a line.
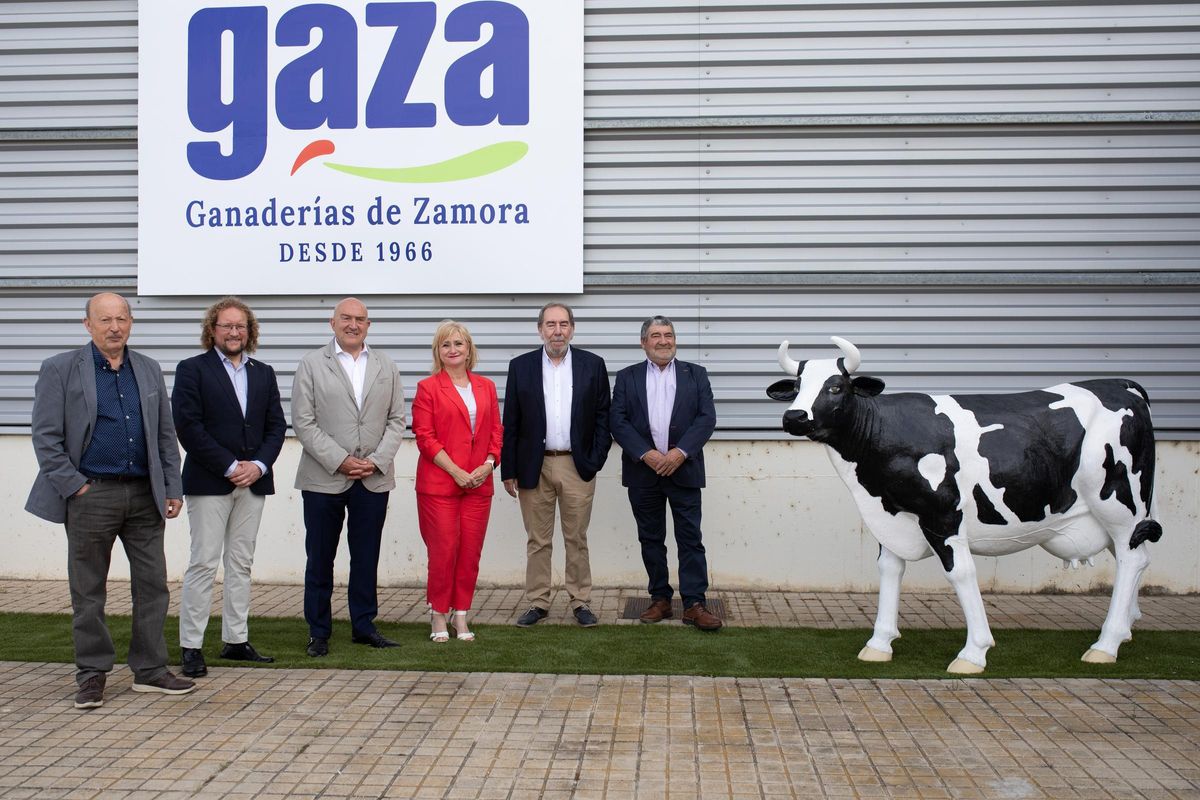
<point>775,516</point>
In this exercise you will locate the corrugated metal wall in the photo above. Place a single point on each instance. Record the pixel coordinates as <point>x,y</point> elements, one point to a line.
<point>983,195</point>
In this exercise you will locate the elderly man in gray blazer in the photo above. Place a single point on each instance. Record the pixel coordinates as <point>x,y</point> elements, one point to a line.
<point>108,467</point>
<point>348,413</point>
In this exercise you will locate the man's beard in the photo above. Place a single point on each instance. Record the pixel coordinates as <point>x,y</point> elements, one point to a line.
<point>224,348</point>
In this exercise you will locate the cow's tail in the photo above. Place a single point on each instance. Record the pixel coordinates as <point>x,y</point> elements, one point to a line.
<point>1148,530</point>
<point>1137,387</point>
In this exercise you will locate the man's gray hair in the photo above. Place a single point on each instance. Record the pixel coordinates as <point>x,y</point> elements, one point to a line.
<point>542,314</point>
<point>657,319</point>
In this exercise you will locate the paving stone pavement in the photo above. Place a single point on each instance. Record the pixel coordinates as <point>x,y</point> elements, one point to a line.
<point>302,733</point>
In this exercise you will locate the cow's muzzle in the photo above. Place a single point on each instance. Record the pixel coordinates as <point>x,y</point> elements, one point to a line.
<point>796,422</point>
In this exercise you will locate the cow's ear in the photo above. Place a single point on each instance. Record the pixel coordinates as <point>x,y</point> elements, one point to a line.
<point>784,390</point>
<point>867,386</point>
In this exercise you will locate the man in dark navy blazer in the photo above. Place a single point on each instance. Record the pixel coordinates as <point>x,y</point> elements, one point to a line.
<point>555,441</point>
<point>230,421</point>
<point>662,415</point>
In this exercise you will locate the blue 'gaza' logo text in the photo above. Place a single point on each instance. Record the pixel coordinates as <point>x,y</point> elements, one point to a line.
<point>335,61</point>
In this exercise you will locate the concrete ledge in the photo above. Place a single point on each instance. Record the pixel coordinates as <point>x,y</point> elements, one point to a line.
<point>776,517</point>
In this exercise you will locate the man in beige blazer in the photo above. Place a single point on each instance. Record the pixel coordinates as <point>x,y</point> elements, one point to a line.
<point>348,413</point>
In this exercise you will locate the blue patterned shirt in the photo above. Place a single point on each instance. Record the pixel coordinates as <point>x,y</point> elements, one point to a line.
<point>118,444</point>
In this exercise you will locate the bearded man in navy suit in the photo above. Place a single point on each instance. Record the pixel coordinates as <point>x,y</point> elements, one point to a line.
<point>230,421</point>
<point>662,415</point>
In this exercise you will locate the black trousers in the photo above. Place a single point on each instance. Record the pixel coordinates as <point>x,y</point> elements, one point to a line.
<point>323,518</point>
<point>649,504</point>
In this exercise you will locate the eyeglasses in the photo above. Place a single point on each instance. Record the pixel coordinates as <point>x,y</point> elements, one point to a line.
<point>231,327</point>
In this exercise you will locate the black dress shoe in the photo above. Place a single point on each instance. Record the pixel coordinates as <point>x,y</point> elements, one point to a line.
<point>317,647</point>
<point>244,652</point>
<point>192,663</point>
<point>585,617</point>
<point>375,639</point>
<point>532,617</point>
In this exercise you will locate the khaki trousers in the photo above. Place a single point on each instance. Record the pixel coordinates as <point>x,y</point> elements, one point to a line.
<point>559,483</point>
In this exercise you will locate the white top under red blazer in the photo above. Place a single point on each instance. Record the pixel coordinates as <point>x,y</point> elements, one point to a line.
<point>440,422</point>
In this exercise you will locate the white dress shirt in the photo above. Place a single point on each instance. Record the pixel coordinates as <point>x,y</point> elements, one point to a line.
<point>558,387</point>
<point>355,368</point>
<point>660,400</point>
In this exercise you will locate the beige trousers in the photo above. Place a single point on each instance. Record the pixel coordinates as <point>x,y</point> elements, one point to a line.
<point>558,484</point>
<point>221,524</point>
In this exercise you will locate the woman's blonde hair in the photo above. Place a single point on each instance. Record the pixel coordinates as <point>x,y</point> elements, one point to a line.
<point>444,331</point>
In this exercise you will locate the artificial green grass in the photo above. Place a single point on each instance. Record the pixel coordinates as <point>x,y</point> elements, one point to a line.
<point>664,649</point>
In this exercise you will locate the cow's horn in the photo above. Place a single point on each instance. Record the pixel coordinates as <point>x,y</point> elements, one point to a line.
<point>789,365</point>
<point>853,359</point>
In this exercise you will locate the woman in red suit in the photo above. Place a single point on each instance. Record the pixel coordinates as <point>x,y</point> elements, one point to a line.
<point>456,422</point>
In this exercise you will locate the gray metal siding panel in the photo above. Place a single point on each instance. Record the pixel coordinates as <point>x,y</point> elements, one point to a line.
<point>987,199</point>
<point>74,64</point>
<point>68,210</point>
<point>1004,254</point>
<point>939,340</point>
<point>68,64</point>
<point>895,198</point>
<point>742,59</point>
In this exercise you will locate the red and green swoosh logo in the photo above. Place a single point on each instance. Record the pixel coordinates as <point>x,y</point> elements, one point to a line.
<point>474,164</point>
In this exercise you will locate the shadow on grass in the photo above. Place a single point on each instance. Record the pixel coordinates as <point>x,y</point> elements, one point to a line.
<point>665,649</point>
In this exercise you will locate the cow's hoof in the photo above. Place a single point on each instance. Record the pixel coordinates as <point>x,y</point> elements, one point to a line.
<point>960,666</point>
<point>869,653</point>
<point>1094,656</point>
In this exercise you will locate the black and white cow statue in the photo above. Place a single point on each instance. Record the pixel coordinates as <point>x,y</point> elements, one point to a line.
<point>1069,468</point>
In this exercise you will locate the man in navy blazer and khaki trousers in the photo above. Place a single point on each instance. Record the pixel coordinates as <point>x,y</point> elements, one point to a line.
<point>662,415</point>
<point>230,421</point>
<point>555,441</point>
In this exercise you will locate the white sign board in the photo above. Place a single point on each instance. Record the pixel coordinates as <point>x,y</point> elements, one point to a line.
<point>360,148</point>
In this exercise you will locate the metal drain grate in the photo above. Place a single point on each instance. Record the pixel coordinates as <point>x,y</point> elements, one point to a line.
<point>634,606</point>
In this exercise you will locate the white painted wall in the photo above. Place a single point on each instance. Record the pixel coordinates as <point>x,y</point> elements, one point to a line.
<point>776,516</point>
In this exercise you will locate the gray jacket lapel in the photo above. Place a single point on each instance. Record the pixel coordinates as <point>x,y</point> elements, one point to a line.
<point>87,382</point>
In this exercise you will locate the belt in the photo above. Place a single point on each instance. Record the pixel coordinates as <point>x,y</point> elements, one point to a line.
<point>558,452</point>
<point>116,478</point>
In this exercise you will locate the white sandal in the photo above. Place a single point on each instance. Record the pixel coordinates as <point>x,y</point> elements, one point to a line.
<point>462,636</point>
<point>438,637</point>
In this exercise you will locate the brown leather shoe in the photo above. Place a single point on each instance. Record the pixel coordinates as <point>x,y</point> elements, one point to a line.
<point>660,609</point>
<point>700,616</point>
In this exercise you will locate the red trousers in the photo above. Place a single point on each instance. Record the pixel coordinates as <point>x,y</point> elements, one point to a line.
<point>453,528</point>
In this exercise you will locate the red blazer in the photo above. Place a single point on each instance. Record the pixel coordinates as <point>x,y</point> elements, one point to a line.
<point>440,422</point>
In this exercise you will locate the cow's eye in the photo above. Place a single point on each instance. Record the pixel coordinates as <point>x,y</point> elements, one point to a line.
<point>835,389</point>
